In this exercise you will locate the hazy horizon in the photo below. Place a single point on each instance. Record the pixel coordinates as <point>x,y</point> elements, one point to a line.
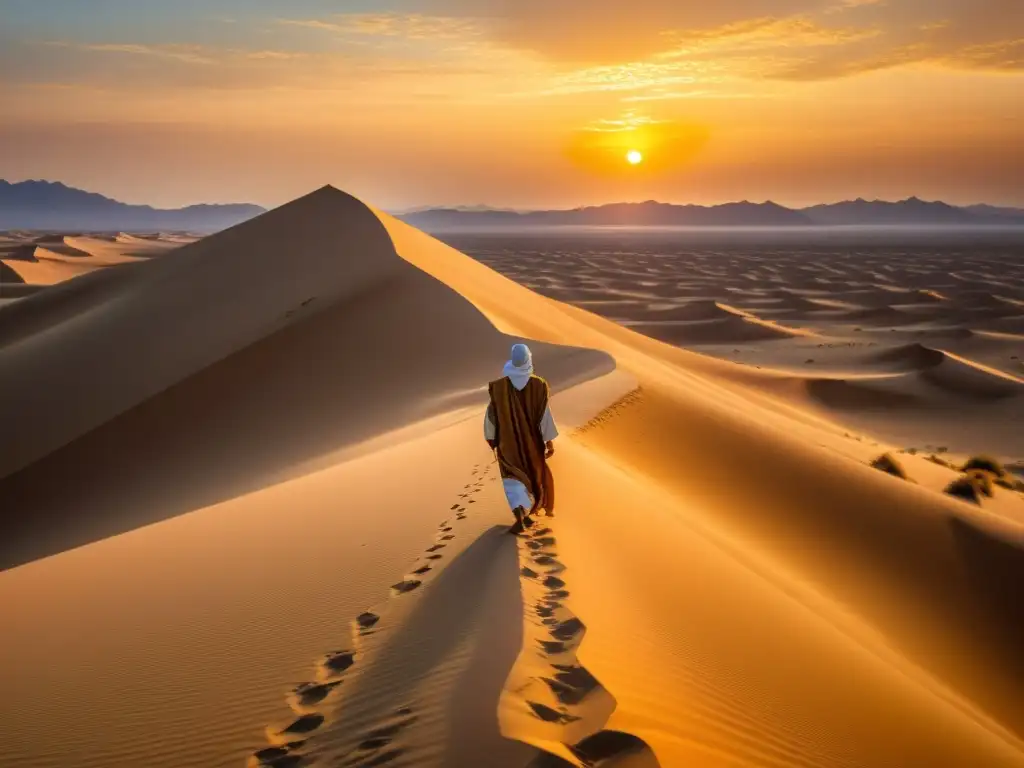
<point>409,103</point>
<point>469,206</point>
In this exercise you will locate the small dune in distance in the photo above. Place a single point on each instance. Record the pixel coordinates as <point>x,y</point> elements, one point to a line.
<point>250,519</point>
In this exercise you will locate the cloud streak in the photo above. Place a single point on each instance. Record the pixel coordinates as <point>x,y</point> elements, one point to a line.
<point>807,39</point>
<point>393,25</point>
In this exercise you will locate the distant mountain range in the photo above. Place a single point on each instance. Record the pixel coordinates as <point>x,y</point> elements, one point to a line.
<point>910,212</point>
<point>47,205</point>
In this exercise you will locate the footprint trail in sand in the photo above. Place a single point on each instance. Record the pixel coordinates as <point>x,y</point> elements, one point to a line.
<point>567,705</point>
<point>292,744</point>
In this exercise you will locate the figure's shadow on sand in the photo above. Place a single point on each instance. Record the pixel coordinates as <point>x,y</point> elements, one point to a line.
<point>458,644</point>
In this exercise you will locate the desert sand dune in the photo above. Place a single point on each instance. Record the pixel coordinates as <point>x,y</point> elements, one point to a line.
<point>727,330</point>
<point>851,299</point>
<point>55,258</point>
<point>8,275</point>
<point>194,356</point>
<point>63,245</point>
<point>42,266</point>
<point>911,357</point>
<point>726,582</point>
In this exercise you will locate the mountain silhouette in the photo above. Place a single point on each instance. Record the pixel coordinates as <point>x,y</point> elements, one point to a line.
<point>910,212</point>
<point>48,205</point>
<point>913,210</point>
<point>53,206</point>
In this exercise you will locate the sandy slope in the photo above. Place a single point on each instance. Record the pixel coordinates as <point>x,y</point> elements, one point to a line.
<point>726,583</point>
<point>49,259</point>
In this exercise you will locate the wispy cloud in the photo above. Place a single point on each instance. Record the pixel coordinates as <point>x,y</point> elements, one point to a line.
<point>410,27</point>
<point>628,121</point>
<point>633,76</point>
<point>658,94</point>
<point>190,54</point>
<point>806,38</point>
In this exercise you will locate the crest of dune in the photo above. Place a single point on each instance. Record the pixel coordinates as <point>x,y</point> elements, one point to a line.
<point>258,460</point>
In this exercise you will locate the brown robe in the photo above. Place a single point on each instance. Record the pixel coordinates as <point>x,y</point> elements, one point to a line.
<point>516,415</point>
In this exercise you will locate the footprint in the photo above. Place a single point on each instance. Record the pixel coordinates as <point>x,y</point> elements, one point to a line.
<point>553,582</point>
<point>386,734</point>
<point>339,661</point>
<point>604,746</point>
<point>454,507</point>
<point>436,547</point>
<point>449,537</point>
<point>528,573</point>
<point>305,723</point>
<point>270,754</point>
<point>421,570</point>
<point>313,693</point>
<point>434,557</point>
<point>572,684</point>
<point>405,586</point>
<point>549,715</point>
<point>367,620</point>
<point>568,629</point>
<point>551,647</point>
<point>379,738</point>
<point>279,757</point>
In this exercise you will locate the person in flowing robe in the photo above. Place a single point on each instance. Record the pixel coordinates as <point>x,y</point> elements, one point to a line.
<point>519,427</point>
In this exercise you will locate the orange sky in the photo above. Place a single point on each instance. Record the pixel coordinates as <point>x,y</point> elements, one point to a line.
<point>525,103</point>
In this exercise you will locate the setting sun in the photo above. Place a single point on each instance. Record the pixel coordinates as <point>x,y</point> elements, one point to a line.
<point>634,157</point>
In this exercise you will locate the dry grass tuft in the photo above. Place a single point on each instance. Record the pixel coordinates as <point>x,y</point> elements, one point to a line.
<point>887,463</point>
<point>965,488</point>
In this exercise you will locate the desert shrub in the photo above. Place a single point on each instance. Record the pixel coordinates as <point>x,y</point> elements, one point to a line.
<point>940,461</point>
<point>912,451</point>
<point>984,464</point>
<point>887,463</point>
<point>964,488</point>
<point>982,481</point>
<point>1010,483</point>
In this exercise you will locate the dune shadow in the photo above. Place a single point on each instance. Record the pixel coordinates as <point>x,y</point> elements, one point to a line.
<point>330,373</point>
<point>468,623</point>
<point>995,569</point>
